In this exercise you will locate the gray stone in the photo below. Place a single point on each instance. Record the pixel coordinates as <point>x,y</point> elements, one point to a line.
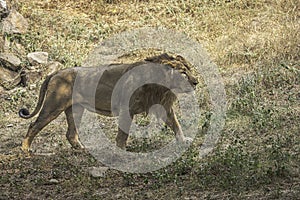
<point>97,172</point>
<point>14,23</point>
<point>18,49</point>
<point>2,91</point>
<point>3,4</point>
<point>9,79</point>
<point>2,43</point>
<point>33,76</point>
<point>53,67</point>
<point>53,181</point>
<point>38,58</point>
<point>13,47</point>
<point>3,9</point>
<point>10,61</point>
<point>7,45</point>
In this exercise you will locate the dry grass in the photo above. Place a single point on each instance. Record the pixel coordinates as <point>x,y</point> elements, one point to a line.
<point>235,33</point>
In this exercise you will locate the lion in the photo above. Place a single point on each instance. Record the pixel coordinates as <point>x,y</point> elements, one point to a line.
<point>67,91</point>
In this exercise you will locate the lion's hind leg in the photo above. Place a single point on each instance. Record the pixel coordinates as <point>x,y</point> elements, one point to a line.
<point>46,115</point>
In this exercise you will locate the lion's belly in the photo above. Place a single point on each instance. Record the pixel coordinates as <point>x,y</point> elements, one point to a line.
<point>99,102</point>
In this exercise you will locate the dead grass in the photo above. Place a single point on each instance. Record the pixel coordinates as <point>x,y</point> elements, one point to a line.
<point>237,32</point>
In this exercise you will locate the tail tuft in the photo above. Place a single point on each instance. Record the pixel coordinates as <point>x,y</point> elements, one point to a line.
<point>24,113</point>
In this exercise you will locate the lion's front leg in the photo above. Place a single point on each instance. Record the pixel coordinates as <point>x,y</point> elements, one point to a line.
<point>121,138</point>
<point>173,123</point>
<point>123,129</point>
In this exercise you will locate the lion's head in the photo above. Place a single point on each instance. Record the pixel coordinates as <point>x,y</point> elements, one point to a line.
<point>178,63</point>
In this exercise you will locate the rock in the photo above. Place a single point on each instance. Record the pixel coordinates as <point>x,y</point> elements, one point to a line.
<point>53,181</point>
<point>3,13</point>
<point>38,58</point>
<point>97,172</point>
<point>18,49</point>
<point>2,91</point>
<point>7,45</point>
<point>3,9</point>
<point>9,79</point>
<point>10,61</point>
<point>53,67</point>
<point>2,43</point>
<point>3,4</point>
<point>32,77</point>
<point>13,47</point>
<point>14,23</point>
<point>37,72</point>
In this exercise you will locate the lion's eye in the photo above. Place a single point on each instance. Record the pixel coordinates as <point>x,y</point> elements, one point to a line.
<point>184,75</point>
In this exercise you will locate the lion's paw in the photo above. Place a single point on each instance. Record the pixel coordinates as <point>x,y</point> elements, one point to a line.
<point>186,141</point>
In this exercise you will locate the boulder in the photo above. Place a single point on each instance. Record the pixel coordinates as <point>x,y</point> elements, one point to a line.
<point>14,23</point>
<point>3,9</point>
<point>32,76</point>
<point>9,79</point>
<point>38,58</point>
<point>10,61</point>
<point>3,4</point>
<point>18,49</point>
<point>36,74</point>
<point>53,67</point>
<point>13,47</point>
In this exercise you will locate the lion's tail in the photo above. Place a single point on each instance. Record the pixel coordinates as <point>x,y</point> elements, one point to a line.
<point>24,113</point>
